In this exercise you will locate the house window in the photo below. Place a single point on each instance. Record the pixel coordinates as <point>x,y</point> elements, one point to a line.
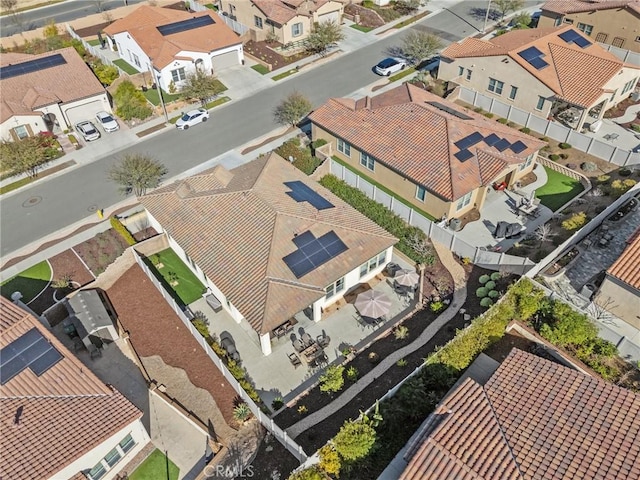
<point>469,72</point>
<point>569,21</point>
<point>496,86</point>
<point>257,21</point>
<point>618,42</point>
<point>21,131</point>
<point>613,95</point>
<point>527,163</point>
<point>464,201</point>
<point>460,71</point>
<point>557,22</point>
<point>178,75</point>
<point>628,86</point>
<point>296,29</point>
<point>540,104</point>
<point>334,288</point>
<point>513,92</point>
<point>344,147</point>
<point>373,263</point>
<point>135,59</point>
<point>367,161</point>
<point>602,37</point>
<point>127,443</point>
<point>97,472</point>
<point>421,193</point>
<point>112,457</point>
<point>586,29</point>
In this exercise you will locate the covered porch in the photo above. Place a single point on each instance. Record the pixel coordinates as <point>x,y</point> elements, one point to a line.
<point>578,117</point>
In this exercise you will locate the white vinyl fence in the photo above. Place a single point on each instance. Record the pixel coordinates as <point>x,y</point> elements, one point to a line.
<point>482,258</point>
<point>236,26</point>
<point>625,55</point>
<point>295,449</point>
<point>94,50</point>
<point>558,132</point>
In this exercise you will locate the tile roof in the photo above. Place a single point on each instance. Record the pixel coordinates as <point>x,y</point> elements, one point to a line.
<point>55,418</point>
<point>61,84</point>
<point>568,66</point>
<point>627,267</point>
<point>533,419</point>
<point>142,25</point>
<point>281,11</point>
<point>238,226</point>
<point>577,6</point>
<point>400,129</point>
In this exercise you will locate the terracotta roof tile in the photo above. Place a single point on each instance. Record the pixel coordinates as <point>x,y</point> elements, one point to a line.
<point>142,25</point>
<point>63,413</point>
<point>534,419</point>
<point>240,231</point>
<point>627,267</point>
<point>577,6</point>
<point>64,83</point>
<point>281,11</point>
<point>400,129</point>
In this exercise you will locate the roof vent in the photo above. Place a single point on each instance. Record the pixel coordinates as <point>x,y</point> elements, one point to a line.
<point>16,418</point>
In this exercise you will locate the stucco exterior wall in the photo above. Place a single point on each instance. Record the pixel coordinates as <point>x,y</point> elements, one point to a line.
<point>99,102</point>
<point>34,122</point>
<point>620,299</point>
<point>127,48</point>
<point>620,23</point>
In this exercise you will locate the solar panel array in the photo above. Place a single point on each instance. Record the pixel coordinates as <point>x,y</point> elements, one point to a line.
<point>534,57</point>
<point>571,36</point>
<point>301,192</point>
<point>313,252</point>
<point>450,110</point>
<point>31,350</point>
<point>10,71</point>
<point>185,25</point>
<point>492,140</point>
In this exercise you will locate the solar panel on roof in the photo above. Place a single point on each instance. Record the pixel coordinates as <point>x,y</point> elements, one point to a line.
<point>301,192</point>
<point>492,139</point>
<point>303,239</point>
<point>314,253</point>
<point>449,110</point>
<point>469,140</point>
<point>518,147</point>
<point>31,66</point>
<point>571,36</point>
<point>463,155</point>
<point>582,42</point>
<point>185,25</point>
<point>31,350</point>
<point>530,53</point>
<point>538,63</point>
<point>502,145</point>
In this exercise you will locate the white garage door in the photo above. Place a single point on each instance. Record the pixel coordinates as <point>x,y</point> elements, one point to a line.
<point>84,112</point>
<point>330,17</point>
<point>225,60</point>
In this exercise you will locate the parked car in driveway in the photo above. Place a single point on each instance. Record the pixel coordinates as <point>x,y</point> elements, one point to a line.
<point>107,121</point>
<point>390,65</point>
<point>192,118</point>
<point>88,130</point>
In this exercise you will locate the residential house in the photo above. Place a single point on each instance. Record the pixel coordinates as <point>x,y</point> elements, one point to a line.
<point>58,419</point>
<point>286,20</point>
<point>550,72</point>
<point>267,241</point>
<point>614,22</point>
<point>619,293</point>
<point>532,419</point>
<point>171,44</point>
<point>49,92</point>
<point>432,153</point>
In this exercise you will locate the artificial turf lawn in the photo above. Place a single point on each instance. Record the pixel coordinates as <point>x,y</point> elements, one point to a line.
<point>558,190</point>
<point>155,467</point>
<point>29,282</point>
<point>189,288</point>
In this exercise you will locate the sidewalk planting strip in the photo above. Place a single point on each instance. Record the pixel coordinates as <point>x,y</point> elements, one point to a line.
<point>27,180</point>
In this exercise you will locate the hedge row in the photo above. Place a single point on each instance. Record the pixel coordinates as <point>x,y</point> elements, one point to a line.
<point>122,230</point>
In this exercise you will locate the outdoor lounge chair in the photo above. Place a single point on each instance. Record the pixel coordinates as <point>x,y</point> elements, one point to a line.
<point>297,345</point>
<point>323,340</point>
<point>295,360</point>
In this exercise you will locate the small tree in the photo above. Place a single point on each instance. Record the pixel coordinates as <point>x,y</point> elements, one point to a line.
<point>27,155</point>
<point>324,35</point>
<point>330,460</point>
<point>521,20</point>
<point>292,109</point>
<point>200,86</point>
<point>50,30</point>
<point>354,440</point>
<point>420,243</point>
<point>105,73</point>
<point>131,102</point>
<point>506,6</point>
<point>543,233</point>
<point>407,7</point>
<point>332,380</point>
<point>137,172</point>
<point>418,45</point>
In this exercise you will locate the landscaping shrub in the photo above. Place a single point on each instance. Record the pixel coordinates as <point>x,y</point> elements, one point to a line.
<point>401,363</point>
<point>401,332</point>
<point>554,157</point>
<point>354,440</point>
<point>495,276</point>
<point>526,130</point>
<point>575,222</point>
<point>477,110</point>
<point>494,294</point>
<point>618,187</point>
<point>503,121</point>
<point>317,144</point>
<point>105,73</point>
<point>302,157</point>
<point>488,114</point>
<point>564,146</point>
<point>624,172</point>
<point>311,473</point>
<point>486,302</point>
<point>484,279</point>
<point>482,292</point>
<point>277,403</point>
<point>490,285</point>
<point>122,230</point>
<point>131,102</point>
<point>332,380</point>
<point>352,373</point>
<point>564,156</point>
<point>330,460</point>
<point>603,178</point>
<point>588,166</point>
<point>564,326</point>
<point>437,306</point>
<point>242,413</point>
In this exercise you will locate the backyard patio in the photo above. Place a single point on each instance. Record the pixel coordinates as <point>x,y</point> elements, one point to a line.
<point>275,375</point>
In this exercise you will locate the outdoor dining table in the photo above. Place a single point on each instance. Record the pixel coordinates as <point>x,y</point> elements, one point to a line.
<point>312,353</point>
<point>528,208</point>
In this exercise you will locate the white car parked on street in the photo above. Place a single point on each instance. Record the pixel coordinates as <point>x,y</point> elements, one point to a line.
<point>390,65</point>
<point>107,121</point>
<point>192,118</point>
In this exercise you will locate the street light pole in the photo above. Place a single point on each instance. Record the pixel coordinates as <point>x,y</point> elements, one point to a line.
<point>159,88</point>
<point>486,17</point>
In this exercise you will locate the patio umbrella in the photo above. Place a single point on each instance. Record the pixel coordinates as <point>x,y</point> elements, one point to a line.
<point>372,304</point>
<point>406,278</point>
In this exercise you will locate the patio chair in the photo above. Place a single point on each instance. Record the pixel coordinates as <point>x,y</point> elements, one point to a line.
<point>323,340</point>
<point>307,340</point>
<point>297,345</point>
<point>295,360</point>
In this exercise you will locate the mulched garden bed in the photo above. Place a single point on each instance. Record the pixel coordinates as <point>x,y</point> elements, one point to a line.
<point>271,457</point>
<point>263,51</point>
<point>101,251</point>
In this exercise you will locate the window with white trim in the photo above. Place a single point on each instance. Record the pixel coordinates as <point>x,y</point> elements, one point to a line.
<point>335,288</point>
<point>527,163</point>
<point>21,131</point>
<point>628,86</point>
<point>513,93</point>
<point>421,193</point>
<point>584,28</point>
<point>112,458</point>
<point>97,472</point>
<point>344,147</point>
<point>460,71</point>
<point>178,75</point>
<point>469,72</point>
<point>135,59</point>
<point>127,443</point>
<point>367,161</point>
<point>373,263</point>
<point>540,103</point>
<point>296,29</point>
<point>464,201</point>
<point>613,95</point>
<point>257,21</point>
<point>495,86</point>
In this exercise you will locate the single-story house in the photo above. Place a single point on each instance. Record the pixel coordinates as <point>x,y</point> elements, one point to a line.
<point>49,92</point>
<point>170,44</point>
<point>434,154</point>
<point>267,241</point>
<point>58,420</point>
<point>551,72</point>
<point>615,23</point>
<point>532,419</point>
<point>286,20</point>
<point>619,293</point>
<point>89,311</point>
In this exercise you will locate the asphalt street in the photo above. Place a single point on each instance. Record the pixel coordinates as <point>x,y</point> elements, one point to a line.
<point>59,13</point>
<point>56,203</point>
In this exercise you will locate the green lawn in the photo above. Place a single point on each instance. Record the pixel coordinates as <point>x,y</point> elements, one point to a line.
<point>280,76</point>
<point>361,28</point>
<point>261,69</point>
<point>402,74</point>
<point>125,66</point>
<point>189,288</point>
<point>94,42</point>
<point>155,467</point>
<point>30,282</point>
<point>558,190</point>
<point>152,95</point>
